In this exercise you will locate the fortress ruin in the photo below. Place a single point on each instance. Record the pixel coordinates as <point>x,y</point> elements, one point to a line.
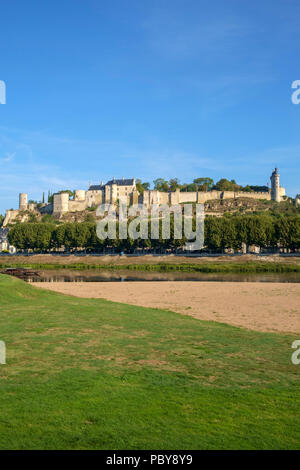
<point>126,189</point>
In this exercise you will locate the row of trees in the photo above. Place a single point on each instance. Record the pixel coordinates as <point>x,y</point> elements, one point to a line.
<point>198,184</point>
<point>220,233</point>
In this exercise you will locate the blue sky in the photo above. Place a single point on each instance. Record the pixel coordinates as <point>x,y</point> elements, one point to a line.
<point>162,88</point>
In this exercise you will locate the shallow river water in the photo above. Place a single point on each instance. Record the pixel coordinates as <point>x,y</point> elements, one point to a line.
<point>65,275</point>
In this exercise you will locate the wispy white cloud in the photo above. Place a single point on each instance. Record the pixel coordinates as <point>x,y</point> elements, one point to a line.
<point>174,37</point>
<point>36,162</point>
<point>42,161</point>
<point>8,157</point>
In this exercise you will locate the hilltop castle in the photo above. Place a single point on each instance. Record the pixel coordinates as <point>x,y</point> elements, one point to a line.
<point>126,189</point>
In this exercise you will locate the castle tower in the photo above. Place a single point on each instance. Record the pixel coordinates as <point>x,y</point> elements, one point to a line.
<point>23,201</point>
<point>79,195</point>
<point>275,186</point>
<point>107,194</point>
<point>60,203</point>
<point>114,193</point>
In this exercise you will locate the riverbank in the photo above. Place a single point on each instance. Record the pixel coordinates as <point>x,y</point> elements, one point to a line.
<point>167,263</point>
<point>255,306</point>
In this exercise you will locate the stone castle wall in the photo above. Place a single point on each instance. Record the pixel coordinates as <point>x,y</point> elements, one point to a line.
<point>76,206</point>
<point>94,198</point>
<point>83,200</point>
<point>10,216</point>
<point>112,192</point>
<point>177,197</point>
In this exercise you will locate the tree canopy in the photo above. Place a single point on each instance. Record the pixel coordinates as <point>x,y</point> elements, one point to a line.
<point>220,233</point>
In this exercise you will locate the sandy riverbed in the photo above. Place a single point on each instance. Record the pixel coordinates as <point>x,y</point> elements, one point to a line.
<point>257,306</point>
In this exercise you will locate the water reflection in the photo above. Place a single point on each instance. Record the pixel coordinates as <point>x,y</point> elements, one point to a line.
<point>65,275</point>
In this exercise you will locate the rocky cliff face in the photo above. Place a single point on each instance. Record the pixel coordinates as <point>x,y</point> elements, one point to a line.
<point>241,205</point>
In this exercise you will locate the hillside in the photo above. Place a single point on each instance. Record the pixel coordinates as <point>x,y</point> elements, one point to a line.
<point>214,207</point>
<point>247,205</point>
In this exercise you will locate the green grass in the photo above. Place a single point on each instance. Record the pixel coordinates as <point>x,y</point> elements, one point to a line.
<point>93,374</point>
<point>219,267</point>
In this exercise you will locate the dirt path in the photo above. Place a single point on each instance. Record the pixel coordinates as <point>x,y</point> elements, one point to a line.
<point>253,305</point>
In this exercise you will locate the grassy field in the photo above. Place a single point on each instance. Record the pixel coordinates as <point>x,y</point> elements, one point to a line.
<point>93,374</point>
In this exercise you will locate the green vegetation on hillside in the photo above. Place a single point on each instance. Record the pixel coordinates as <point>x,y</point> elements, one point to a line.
<point>92,374</point>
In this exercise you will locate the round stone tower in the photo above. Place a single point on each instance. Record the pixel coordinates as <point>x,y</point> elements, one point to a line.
<point>79,195</point>
<point>275,186</point>
<point>60,203</point>
<point>64,202</point>
<point>23,201</point>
